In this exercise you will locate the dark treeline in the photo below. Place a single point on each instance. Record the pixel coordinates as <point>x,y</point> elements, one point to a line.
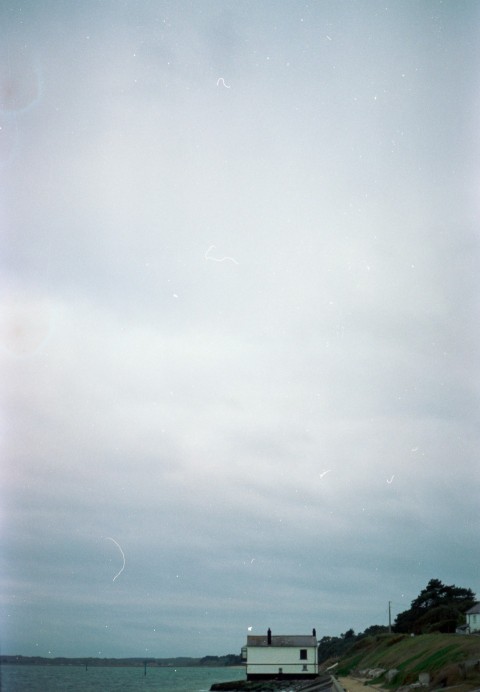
<point>437,608</point>
<point>91,662</point>
<point>336,647</point>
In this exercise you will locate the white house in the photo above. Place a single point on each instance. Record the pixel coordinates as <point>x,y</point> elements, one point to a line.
<point>285,656</point>
<point>473,618</point>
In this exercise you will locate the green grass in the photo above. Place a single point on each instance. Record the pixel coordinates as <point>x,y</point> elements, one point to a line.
<point>448,654</point>
<point>426,653</point>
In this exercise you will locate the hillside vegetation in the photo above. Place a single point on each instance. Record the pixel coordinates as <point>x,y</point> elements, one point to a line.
<point>438,607</point>
<point>448,658</point>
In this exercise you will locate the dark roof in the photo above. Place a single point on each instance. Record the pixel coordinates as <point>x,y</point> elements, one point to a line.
<point>282,640</point>
<point>474,610</point>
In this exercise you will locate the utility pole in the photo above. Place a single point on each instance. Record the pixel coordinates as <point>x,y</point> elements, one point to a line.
<point>390,617</point>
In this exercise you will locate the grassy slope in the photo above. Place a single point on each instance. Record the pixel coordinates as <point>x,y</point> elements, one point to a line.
<point>437,654</point>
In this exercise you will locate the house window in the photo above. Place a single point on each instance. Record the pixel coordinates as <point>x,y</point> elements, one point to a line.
<point>305,668</point>
<point>303,654</point>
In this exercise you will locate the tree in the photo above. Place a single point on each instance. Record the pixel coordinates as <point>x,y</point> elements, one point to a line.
<point>373,630</point>
<point>442,618</point>
<point>334,647</point>
<point>438,607</point>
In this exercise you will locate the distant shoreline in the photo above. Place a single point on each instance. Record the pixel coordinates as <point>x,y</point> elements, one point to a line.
<point>134,662</point>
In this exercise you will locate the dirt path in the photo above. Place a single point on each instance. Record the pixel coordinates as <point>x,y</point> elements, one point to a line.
<point>353,684</point>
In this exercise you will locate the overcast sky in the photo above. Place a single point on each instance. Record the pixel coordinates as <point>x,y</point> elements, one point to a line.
<point>240,318</point>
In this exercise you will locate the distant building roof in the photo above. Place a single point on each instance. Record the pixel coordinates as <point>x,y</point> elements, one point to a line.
<point>282,640</point>
<point>474,610</point>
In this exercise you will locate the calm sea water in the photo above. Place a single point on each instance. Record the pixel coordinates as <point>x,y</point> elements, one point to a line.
<point>77,679</point>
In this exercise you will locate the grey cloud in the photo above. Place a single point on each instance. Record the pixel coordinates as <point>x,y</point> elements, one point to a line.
<point>280,440</point>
